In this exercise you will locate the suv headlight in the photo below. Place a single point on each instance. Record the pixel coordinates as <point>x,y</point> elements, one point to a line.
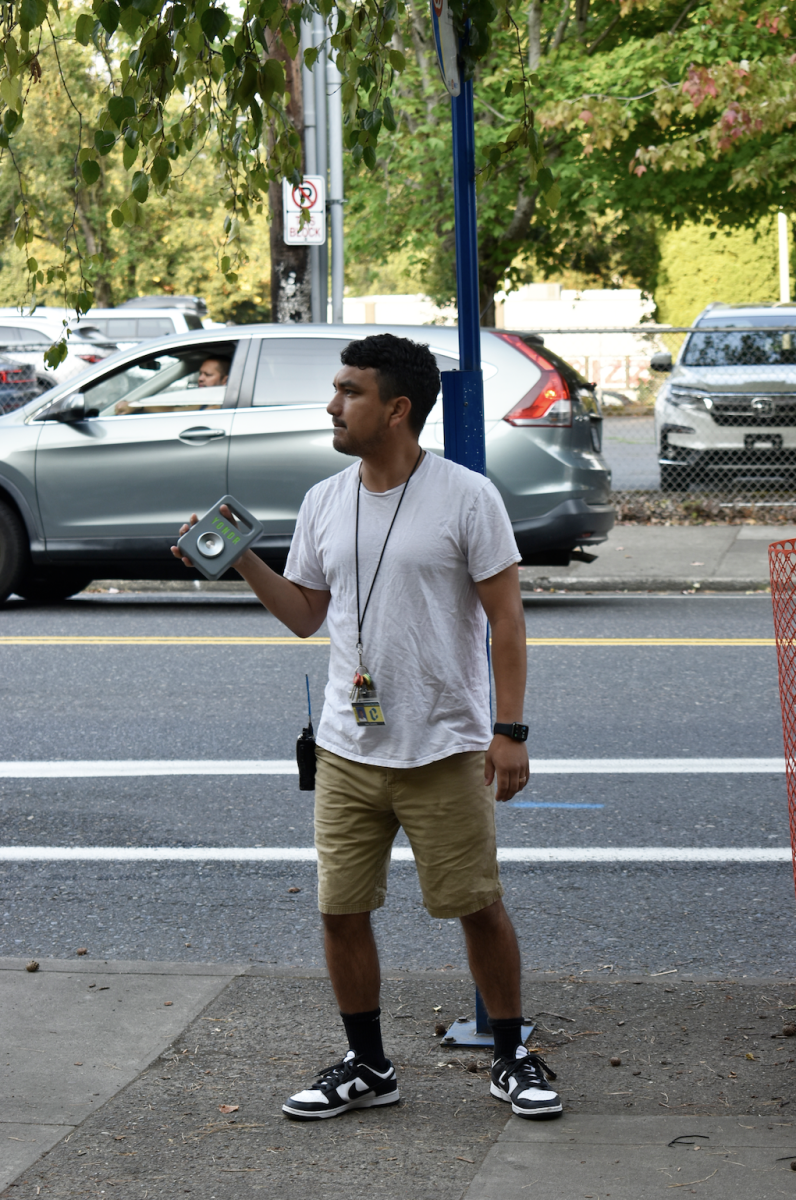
<point>688,397</point>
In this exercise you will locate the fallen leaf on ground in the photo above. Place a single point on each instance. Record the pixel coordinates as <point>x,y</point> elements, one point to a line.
<point>32,965</point>
<point>82,950</point>
<point>228,1108</point>
<point>167,1003</point>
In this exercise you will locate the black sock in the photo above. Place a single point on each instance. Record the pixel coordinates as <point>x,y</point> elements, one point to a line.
<point>507,1032</point>
<point>364,1037</point>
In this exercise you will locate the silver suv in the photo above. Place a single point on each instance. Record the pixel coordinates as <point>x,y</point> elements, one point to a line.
<point>94,483</point>
<point>727,413</point>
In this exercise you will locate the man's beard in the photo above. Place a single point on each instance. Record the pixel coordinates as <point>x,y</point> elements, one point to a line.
<point>353,447</point>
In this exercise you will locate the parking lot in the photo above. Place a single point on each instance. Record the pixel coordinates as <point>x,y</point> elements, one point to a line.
<point>195,679</point>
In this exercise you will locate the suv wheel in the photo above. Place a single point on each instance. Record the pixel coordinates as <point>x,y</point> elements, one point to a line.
<point>13,551</point>
<point>50,585</point>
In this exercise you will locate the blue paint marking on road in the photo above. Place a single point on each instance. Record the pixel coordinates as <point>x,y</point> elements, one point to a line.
<point>544,804</point>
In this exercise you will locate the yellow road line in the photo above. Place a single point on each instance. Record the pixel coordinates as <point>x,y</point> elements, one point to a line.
<point>46,640</point>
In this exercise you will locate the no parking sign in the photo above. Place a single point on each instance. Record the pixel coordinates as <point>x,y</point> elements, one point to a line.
<point>308,196</point>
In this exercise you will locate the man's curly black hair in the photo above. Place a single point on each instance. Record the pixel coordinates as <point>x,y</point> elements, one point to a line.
<point>404,368</point>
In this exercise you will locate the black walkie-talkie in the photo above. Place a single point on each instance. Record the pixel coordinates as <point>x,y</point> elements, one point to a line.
<point>305,750</point>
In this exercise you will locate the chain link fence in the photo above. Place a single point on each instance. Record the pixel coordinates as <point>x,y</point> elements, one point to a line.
<point>699,422</point>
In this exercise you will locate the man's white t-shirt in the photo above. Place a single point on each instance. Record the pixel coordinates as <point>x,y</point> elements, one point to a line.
<point>424,634</point>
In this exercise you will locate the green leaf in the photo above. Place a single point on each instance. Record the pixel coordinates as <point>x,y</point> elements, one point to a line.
<point>130,21</point>
<point>160,170</point>
<point>248,85</point>
<point>33,266</point>
<point>56,354</point>
<point>311,56</point>
<point>108,15</point>
<point>140,186</point>
<point>508,88</point>
<point>389,116</point>
<point>117,218</point>
<point>91,171</point>
<point>397,60</point>
<point>84,28</point>
<point>228,54</point>
<point>10,120</point>
<point>215,23</point>
<point>552,198</point>
<point>119,108</point>
<point>272,79</point>
<point>129,155</point>
<point>225,263</point>
<point>104,140</point>
<point>31,14</point>
<point>369,158</point>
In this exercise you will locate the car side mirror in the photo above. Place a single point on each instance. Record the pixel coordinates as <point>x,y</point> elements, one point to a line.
<point>69,410</point>
<point>662,361</point>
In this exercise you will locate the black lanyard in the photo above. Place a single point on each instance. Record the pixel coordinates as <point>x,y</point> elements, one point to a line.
<point>361,619</point>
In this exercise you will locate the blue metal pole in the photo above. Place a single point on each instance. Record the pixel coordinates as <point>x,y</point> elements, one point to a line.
<point>463,390</point>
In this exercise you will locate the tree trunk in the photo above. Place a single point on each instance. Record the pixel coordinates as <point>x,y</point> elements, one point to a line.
<point>534,34</point>
<point>291,299</point>
<point>581,17</point>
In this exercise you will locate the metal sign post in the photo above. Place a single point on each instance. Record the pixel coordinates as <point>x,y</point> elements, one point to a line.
<point>463,390</point>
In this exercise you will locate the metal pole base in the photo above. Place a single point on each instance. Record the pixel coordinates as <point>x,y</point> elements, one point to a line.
<point>463,1033</point>
<point>476,1033</point>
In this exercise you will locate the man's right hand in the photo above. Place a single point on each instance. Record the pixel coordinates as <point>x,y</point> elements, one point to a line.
<point>176,550</point>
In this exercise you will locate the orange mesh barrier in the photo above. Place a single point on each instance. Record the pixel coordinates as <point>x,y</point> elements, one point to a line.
<point>782,568</point>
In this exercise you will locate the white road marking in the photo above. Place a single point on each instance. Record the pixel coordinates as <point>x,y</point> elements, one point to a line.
<point>109,768</point>
<point>294,854</point>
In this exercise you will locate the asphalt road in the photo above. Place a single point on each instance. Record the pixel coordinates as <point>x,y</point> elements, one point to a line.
<point>211,701</point>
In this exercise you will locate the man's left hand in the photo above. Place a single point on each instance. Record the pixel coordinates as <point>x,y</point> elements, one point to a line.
<point>508,761</point>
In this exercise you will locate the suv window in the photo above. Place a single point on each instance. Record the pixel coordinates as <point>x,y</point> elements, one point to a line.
<point>301,370</point>
<point>9,333</point>
<point>186,380</point>
<point>722,347</point>
<point>297,370</point>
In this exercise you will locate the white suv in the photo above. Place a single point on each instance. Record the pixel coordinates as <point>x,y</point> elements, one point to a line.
<point>727,413</point>
<point>133,322</point>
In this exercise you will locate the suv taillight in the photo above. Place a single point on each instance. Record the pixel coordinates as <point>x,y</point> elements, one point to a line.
<point>14,375</point>
<point>548,402</point>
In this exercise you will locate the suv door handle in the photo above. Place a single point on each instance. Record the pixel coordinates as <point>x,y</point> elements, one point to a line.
<point>201,435</point>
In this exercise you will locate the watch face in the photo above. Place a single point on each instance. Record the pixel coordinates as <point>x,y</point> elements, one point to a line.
<point>521,733</point>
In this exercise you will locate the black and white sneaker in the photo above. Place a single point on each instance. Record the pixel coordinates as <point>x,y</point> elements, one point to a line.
<point>348,1084</point>
<point>522,1082</point>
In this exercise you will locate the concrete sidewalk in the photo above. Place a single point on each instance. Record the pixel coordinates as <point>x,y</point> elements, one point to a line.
<point>659,558</point>
<point>170,1081</point>
<point>635,558</point>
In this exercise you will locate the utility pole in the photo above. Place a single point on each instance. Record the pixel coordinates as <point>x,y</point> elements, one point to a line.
<point>311,163</point>
<point>784,258</point>
<point>334,83</point>
<point>319,83</point>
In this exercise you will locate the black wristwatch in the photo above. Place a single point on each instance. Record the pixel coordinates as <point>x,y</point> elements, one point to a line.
<point>518,733</point>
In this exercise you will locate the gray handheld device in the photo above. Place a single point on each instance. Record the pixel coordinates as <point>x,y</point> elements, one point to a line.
<point>213,544</point>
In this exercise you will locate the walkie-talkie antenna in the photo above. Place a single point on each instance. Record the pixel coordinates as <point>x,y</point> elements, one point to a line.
<point>309,702</point>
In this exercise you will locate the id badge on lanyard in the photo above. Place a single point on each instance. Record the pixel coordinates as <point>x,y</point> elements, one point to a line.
<point>364,700</point>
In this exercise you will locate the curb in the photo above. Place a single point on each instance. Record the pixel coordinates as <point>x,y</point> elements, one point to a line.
<point>608,583</point>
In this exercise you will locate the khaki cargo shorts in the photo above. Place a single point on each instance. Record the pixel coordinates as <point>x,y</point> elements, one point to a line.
<point>446,811</point>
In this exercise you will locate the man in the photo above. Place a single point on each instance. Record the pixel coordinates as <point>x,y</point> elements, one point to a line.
<point>406,555</point>
<point>214,372</point>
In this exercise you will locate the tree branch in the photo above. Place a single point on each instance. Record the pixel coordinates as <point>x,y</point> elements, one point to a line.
<point>604,34</point>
